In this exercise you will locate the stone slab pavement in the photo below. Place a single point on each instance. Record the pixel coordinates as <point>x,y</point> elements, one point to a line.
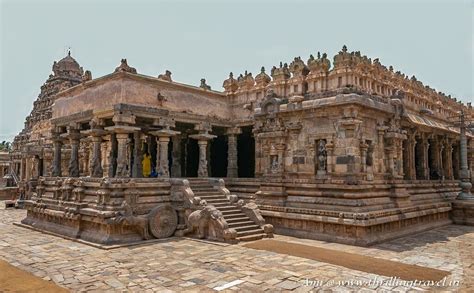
<point>185,265</point>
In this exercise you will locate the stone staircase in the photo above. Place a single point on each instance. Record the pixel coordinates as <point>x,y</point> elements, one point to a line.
<point>246,229</point>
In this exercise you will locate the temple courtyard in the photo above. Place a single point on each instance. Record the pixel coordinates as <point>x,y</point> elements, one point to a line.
<point>189,265</point>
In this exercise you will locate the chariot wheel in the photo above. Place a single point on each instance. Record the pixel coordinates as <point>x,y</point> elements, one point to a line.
<point>163,221</point>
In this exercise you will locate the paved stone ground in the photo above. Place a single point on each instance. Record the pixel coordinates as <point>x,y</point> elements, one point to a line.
<point>184,265</point>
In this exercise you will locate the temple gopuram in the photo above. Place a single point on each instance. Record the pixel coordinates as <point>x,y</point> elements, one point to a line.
<point>346,150</point>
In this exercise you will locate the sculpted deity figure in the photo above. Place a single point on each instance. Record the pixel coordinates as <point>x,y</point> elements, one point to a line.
<point>322,155</point>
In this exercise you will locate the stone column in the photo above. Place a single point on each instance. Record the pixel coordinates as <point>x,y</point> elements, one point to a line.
<point>57,143</point>
<point>137,171</point>
<point>426,165</point>
<point>122,170</point>
<point>74,140</point>
<point>448,160</point>
<point>381,151</point>
<point>106,148</point>
<point>163,166</point>
<point>112,155</point>
<point>411,168</point>
<point>202,142</point>
<point>176,153</point>
<point>96,165</point>
<point>232,167</point>
<point>202,169</point>
<point>162,161</point>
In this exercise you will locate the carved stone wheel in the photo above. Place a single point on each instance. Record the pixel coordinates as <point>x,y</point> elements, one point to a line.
<point>163,221</point>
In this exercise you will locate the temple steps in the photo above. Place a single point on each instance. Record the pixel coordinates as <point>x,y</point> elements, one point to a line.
<point>246,229</point>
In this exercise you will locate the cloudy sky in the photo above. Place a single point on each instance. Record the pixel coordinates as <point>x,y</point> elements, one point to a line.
<point>430,39</point>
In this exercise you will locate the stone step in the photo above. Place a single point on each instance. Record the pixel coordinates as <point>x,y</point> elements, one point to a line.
<point>233,211</point>
<point>251,237</point>
<point>240,223</point>
<point>212,196</point>
<point>201,194</point>
<point>247,228</point>
<point>234,216</point>
<point>249,232</point>
<point>227,208</point>
<point>213,201</point>
<point>237,219</point>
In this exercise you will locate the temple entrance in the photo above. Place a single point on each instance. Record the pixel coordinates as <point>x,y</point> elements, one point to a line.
<point>246,153</point>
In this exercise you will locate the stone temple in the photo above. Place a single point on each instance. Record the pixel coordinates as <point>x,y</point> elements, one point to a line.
<point>347,151</point>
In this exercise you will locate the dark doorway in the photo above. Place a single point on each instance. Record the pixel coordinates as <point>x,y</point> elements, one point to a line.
<point>246,153</point>
<point>40,166</point>
<point>218,158</point>
<point>190,157</point>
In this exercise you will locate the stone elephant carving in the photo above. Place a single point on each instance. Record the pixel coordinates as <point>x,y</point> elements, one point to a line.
<point>209,223</point>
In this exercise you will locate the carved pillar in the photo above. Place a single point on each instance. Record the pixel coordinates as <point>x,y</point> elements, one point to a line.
<point>106,153</point>
<point>363,152</point>
<point>176,154</point>
<point>122,140</point>
<point>331,157</point>
<point>202,169</point>
<point>426,164</point>
<point>96,165</point>
<point>163,166</point>
<point>410,158</point>
<point>381,151</point>
<point>162,161</point>
<point>232,168</point>
<point>57,143</point>
<point>448,160</point>
<point>74,136</point>
<point>203,137</point>
<point>112,156</point>
<point>137,171</point>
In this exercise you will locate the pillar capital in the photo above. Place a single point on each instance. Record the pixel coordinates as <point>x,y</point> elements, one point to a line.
<point>203,136</point>
<point>233,131</point>
<point>164,133</point>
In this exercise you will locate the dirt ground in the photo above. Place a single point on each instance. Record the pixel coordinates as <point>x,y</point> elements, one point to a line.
<point>16,280</point>
<point>352,261</point>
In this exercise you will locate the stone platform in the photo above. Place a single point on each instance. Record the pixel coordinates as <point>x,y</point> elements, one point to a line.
<point>363,214</point>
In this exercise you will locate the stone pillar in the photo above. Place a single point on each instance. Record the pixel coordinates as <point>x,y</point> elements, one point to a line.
<point>363,153</point>
<point>96,165</point>
<point>410,160</point>
<point>112,156</point>
<point>202,169</point>
<point>122,170</point>
<point>426,165</point>
<point>137,171</point>
<point>203,137</point>
<point>106,149</point>
<point>381,151</point>
<point>163,166</point>
<point>163,138</point>
<point>448,160</point>
<point>57,143</point>
<point>74,140</point>
<point>176,154</point>
<point>232,167</point>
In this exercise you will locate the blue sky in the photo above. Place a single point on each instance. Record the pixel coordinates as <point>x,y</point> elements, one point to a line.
<point>207,39</point>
